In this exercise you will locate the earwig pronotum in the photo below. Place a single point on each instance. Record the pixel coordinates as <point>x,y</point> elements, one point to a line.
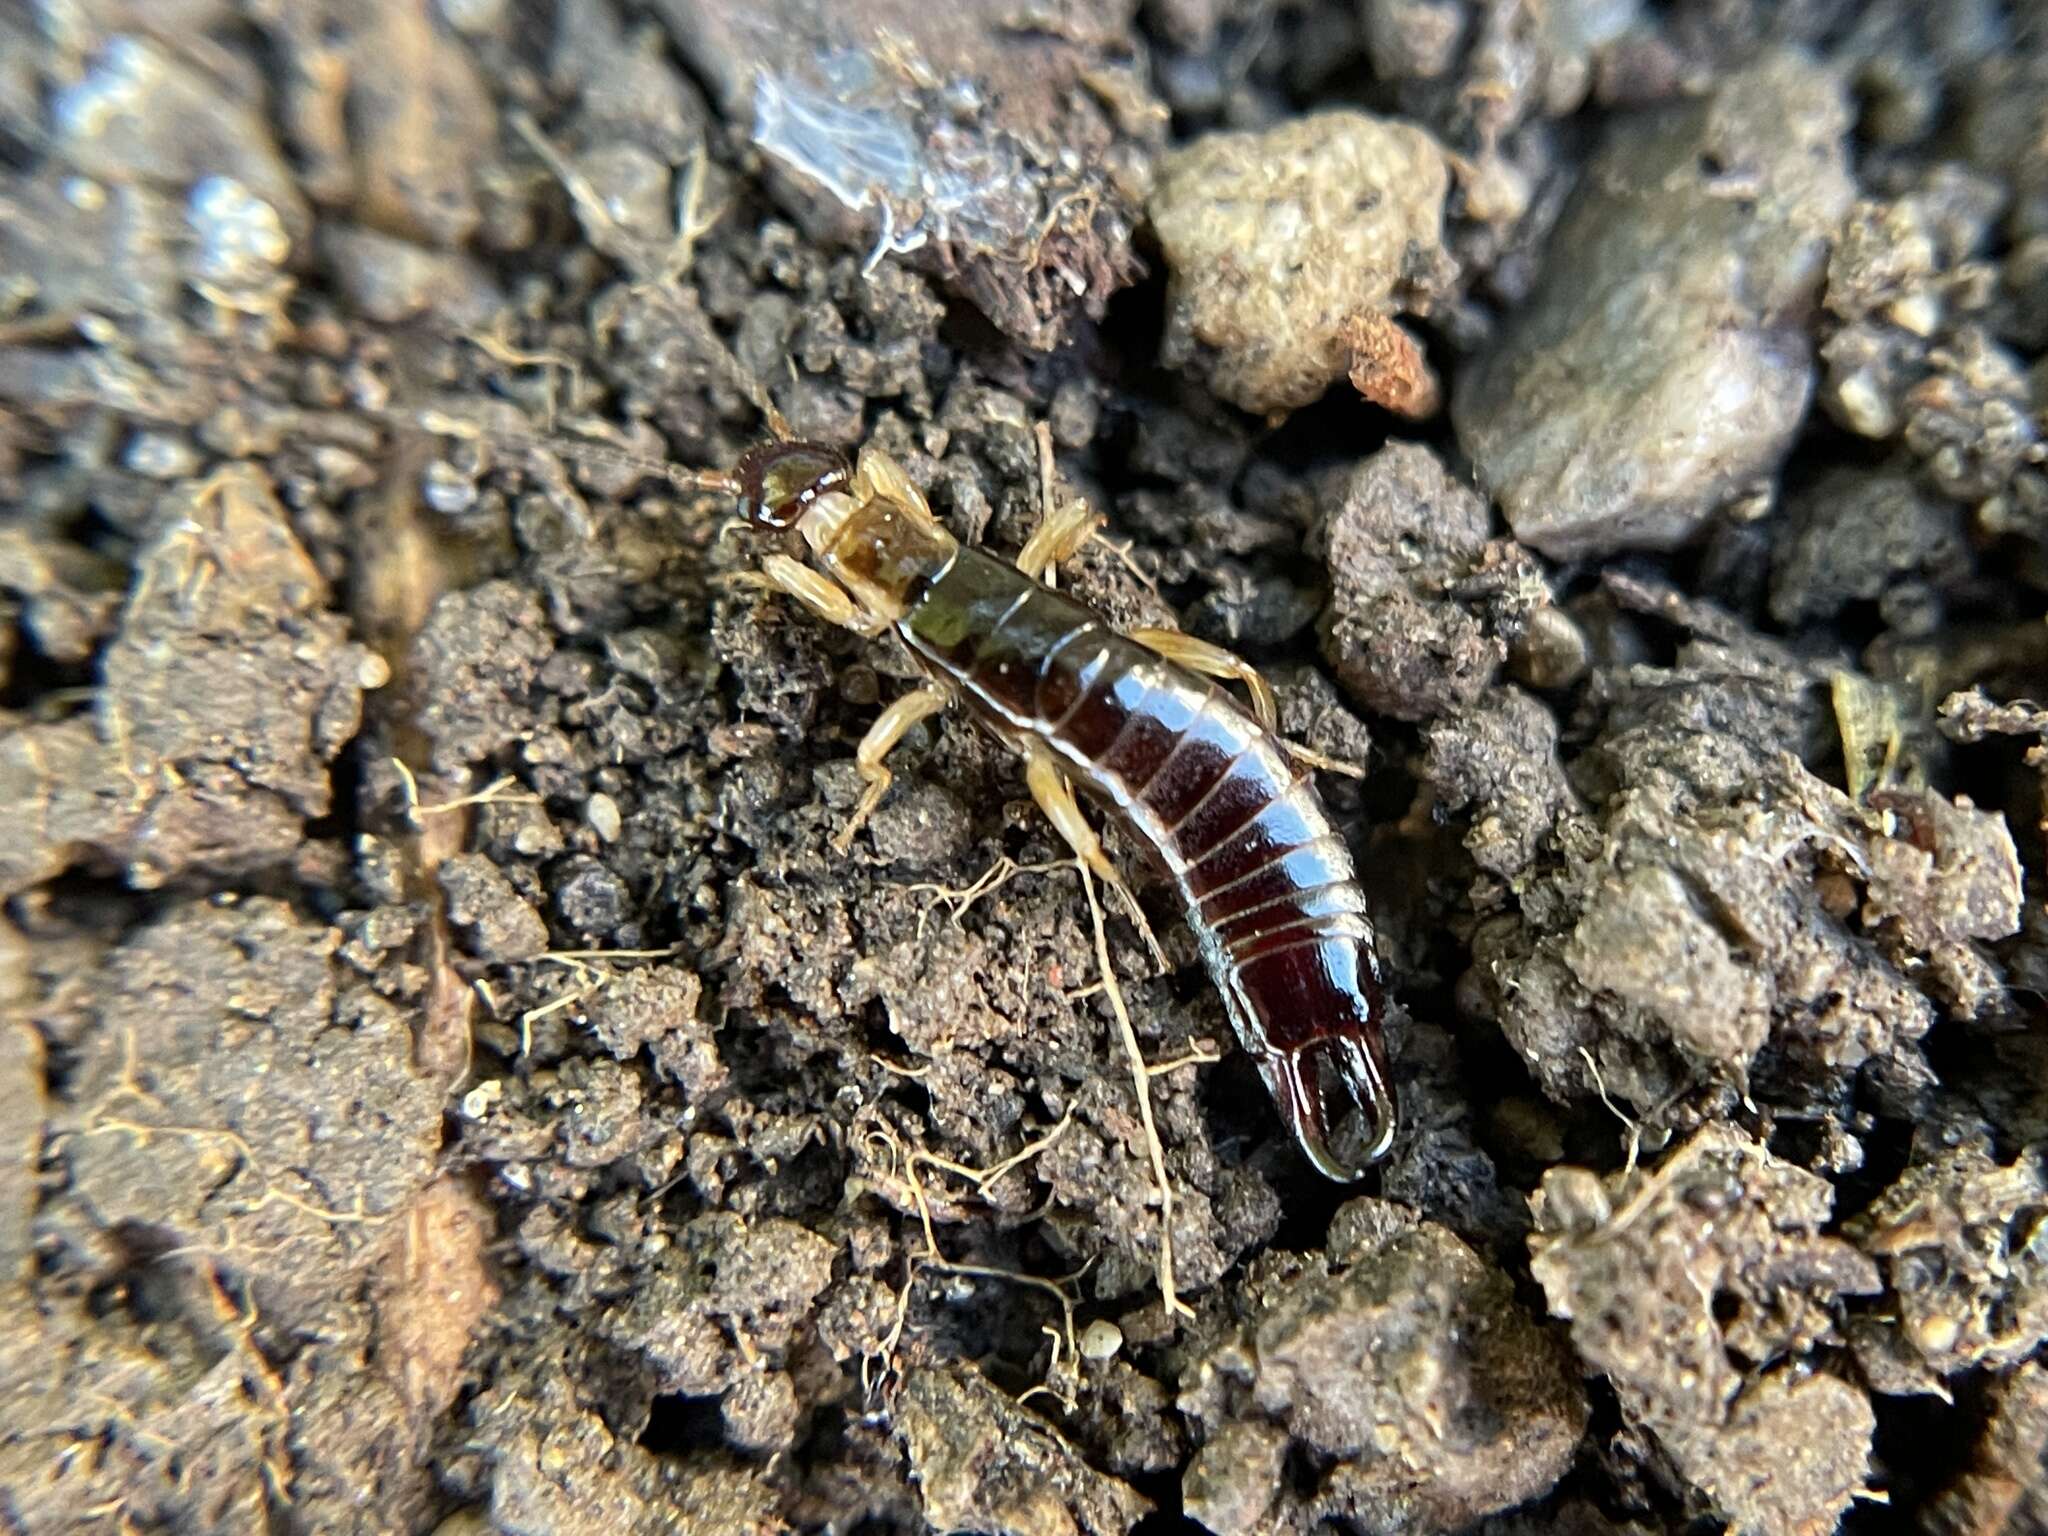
<point>1140,723</point>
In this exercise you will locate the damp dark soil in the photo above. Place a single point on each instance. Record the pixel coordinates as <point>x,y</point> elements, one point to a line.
<point>451,1083</point>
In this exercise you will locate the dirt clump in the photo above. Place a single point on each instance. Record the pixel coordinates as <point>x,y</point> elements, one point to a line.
<point>1278,242</point>
<point>227,689</point>
<point>1423,605</point>
<point>1955,1236</point>
<point>980,1464</point>
<point>1700,1290</point>
<point>1678,936</point>
<point>1402,1366</point>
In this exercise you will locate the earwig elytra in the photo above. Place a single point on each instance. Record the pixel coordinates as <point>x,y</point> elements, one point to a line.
<point>1140,722</point>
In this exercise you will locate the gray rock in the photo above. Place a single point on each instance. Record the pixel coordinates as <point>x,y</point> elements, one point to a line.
<point>1661,371</point>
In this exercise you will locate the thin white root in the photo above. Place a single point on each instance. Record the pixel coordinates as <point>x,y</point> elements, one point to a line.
<point>1141,1079</point>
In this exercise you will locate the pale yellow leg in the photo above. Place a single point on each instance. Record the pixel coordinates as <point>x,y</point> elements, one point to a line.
<point>889,728</point>
<point>1066,528</point>
<point>1055,797</point>
<point>817,592</point>
<point>1214,661</point>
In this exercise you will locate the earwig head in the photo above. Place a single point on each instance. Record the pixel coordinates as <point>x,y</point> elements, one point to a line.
<point>779,481</point>
<point>1335,1097</point>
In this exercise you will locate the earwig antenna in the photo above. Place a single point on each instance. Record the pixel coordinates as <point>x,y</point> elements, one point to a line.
<point>717,481</point>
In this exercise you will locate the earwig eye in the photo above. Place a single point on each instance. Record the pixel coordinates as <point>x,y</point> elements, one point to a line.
<point>1338,1105</point>
<point>779,481</point>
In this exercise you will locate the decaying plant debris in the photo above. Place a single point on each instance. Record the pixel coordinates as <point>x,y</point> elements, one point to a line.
<point>451,1083</point>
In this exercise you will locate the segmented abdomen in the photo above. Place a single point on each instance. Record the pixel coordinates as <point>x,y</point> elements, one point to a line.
<point>1267,881</point>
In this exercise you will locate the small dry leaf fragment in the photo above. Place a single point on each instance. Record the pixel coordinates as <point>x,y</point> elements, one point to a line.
<point>1388,368</point>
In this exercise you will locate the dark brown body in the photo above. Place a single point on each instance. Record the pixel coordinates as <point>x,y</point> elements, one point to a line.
<point>1266,880</point>
<point>1264,877</point>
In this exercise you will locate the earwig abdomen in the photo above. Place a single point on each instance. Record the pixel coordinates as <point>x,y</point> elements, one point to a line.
<point>1265,879</point>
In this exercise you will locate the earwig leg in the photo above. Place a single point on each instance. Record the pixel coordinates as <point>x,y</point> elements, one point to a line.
<point>819,593</point>
<point>1315,759</point>
<point>1055,797</point>
<point>1066,528</point>
<point>1214,661</point>
<point>889,728</point>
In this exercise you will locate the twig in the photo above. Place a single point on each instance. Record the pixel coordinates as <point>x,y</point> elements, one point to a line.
<point>1065,1399</point>
<point>588,982</point>
<point>1048,495</point>
<point>1199,1056</point>
<point>493,793</point>
<point>499,350</point>
<point>981,1178</point>
<point>1124,557</point>
<point>574,957</point>
<point>1634,1126</point>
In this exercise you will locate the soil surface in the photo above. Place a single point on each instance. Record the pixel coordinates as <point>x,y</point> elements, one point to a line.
<point>452,1084</point>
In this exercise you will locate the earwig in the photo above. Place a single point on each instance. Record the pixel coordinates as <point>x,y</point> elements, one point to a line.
<point>1141,724</point>
<point>1137,720</point>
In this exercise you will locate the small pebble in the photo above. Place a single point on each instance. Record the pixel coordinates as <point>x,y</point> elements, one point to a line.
<point>241,241</point>
<point>1936,1334</point>
<point>84,194</point>
<point>602,812</point>
<point>478,1101</point>
<point>1552,652</point>
<point>446,489</point>
<point>477,18</point>
<point>161,455</point>
<point>1075,416</point>
<point>1101,1339</point>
